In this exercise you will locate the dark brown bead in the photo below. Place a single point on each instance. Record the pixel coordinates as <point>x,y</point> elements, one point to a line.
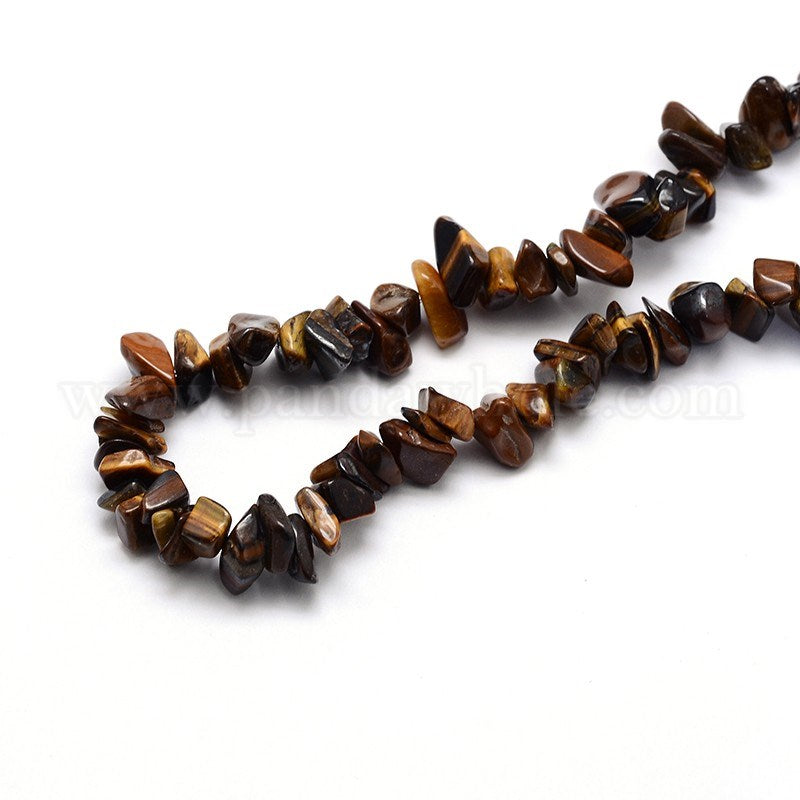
<point>464,269</point>
<point>594,332</point>
<point>242,557</point>
<point>793,106</point>
<point>606,230</point>
<point>167,526</point>
<point>448,324</point>
<point>348,500</point>
<point>132,532</point>
<point>206,527</point>
<point>500,289</point>
<point>686,152</point>
<point>398,305</point>
<point>766,106</point>
<point>534,402</point>
<point>642,325</point>
<point>702,310</point>
<point>319,516</point>
<point>278,534</point>
<point>630,198</point>
<point>108,428</point>
<point>674,204</point>
<point>678,117</point>
<point>145,396</point>
<point>747,148</point>
<point>701,193</point>
<point>445,232</point>
<point>776,282</point>
<point>348,465</point>
<point>499,430</point>
<point>631,354</point>
<point>129,418</point>
<point>230,372</point>
<point>125,466</point>
<point>327,345</point>
<point>292,352</point>
<point>109,500</point>
<point>377,458</point>
<point>675,343</point>
<point>146,354</point>
<point>574,370</point>
<point>253,337</point>
<point>301,567</point>
<point>389,352</point>
<point>167,491</point>
<point>425,424</point>
<point>562,269</point>
<point>454,417</point>
<point>358,333</point>
<point>193,372</point>
<point>113,446</point>
<point>750,315</point>
<point>595,261</point>
<point>421,459</point>
<point>532,272</point>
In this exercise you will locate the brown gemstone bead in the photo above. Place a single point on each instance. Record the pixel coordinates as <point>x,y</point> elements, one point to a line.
<point>679,118</point>
<point>319,516</point>
<point>631,354</point>
<point>563,269</point>
<point>129,418</point>
<point>125,466</point>
<point>499,430</point>
<point>230,372</point>
<point>301,567</point>
<point>642,325</point>
<point>108,428</point>
<point>464,269</point>
<point>674,204</point>
<point>534,402</point>
<point>146,354</point>
<point>292,352</point>
<point>145,396</point>
<point>595,261</point>
<point>776,282</point>
<point>701,193</point>
<point>606,230</point>
<point>113,446</point>
<point>500,290</point>
<point>747,148</point>
<point>532,272</point>
<point>206,527</point>
<point>166,526</point>
<point>327,345</point>
<point>750,315</point>
<point>686,152</point>
<point>793,106</point>
<point>347,465</point>
<point>454,417</point>
<point>358,333</point>
<point>253,337</point>
<point>109,500</point>
<point>702,310</point>
<point>421,459</point>
<point>766,106</point>
<point>445,232</point>
<point>193,373</point>
<point>242,557</point>
<point>389,351</point>
<point>675,343</point>
<point>167,491</point>
<point>348,500</point>
<point>448,324</point>
<point>594,332</point>
<point>398,305</point>
<point>630,198</point>
<point>425,424</point>
<point>377,458</point>
<point>132,532</point>
<point>278,534</point>
<point>574,370</point>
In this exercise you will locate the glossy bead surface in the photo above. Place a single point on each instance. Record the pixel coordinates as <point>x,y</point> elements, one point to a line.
<point>464,269</point>
<point>129,418</point>
<point>534,402</point>
<point>377,458</point>
<point>701,193</point>
<point>319,516</point>
<point>348,465</point>
<point>595,261</point>
<point>327,345</point>
<point>167,491</point>
<point>425,424</point>
<point>398,305</point>
<point>595,333</point>
<point>701,308</point>
<point>166,526</point>
<point>606,230</point>
<point>193,373</point>
<point>421,460</point>
<point>766,106</point>
<point>776,282</point>
<point>206,527</point>
<point>793,106</point>
<point>389,351</point>
<point>675,343</point>
<point>563,269</point>
<point>574,370</point>
<point>253,337</point>
<point>358,333</point>
<point>686,152</point>
<point>146,354</point>
<point>499,430</point>
<point>113,446</point>
<point>445,231</point>
<point>500,289</point>
<point>132,532</point>
<point>674,204</point>
<point>109,500</point>
<point>747,148</point>
<point>292,352</point>
<point>453,416</point>
<point>108,428</point>
<point>125,466</point>
<point>631,354</point>
<point>230,372</point>
<point>278,534</point>
<point>242,557</point>
<point>630,198</point>
<point>750,315</point>
<point>448,324</point>
<point>532,272</point>
<point>145,396</point>
<point>301,567</point>
<point>347,499</point>
<point>679,118</point>
<point>642,325</point>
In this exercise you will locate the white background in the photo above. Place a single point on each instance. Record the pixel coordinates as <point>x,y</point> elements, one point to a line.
<point>616,620</point>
